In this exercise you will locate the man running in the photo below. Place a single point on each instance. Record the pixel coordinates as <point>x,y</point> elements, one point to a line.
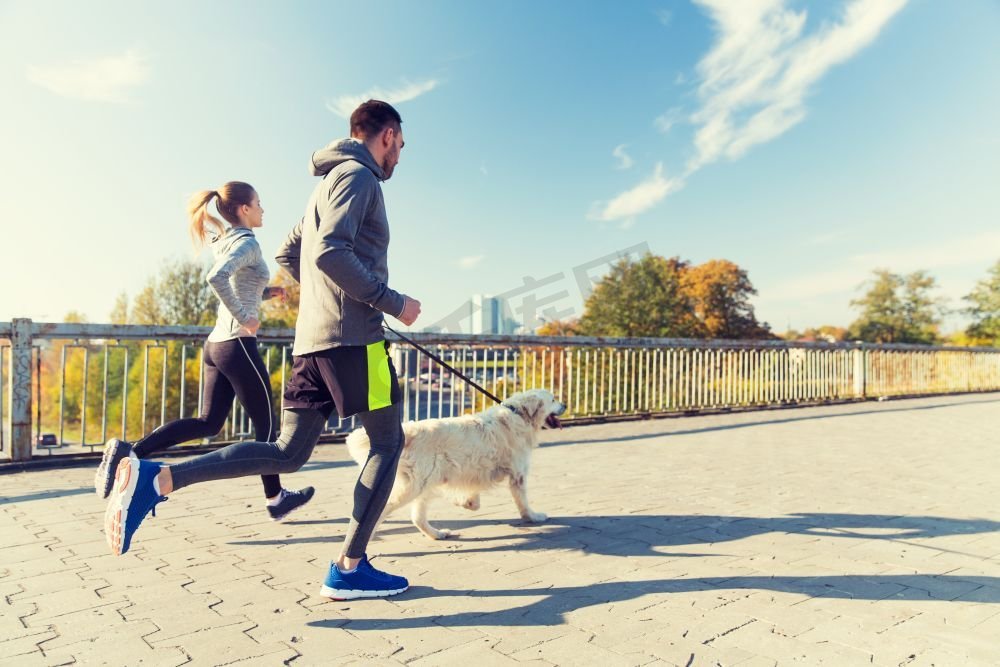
<point>338,253</point>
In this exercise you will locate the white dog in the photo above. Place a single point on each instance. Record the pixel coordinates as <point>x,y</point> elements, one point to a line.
<point>459,457</point>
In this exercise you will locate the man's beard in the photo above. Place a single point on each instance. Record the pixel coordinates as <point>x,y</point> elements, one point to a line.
<point>389,164</point>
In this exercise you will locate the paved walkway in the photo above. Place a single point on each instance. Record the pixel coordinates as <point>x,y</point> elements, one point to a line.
<point>846,535</point>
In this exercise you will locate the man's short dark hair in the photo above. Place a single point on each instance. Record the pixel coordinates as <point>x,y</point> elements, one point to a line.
<point>372,117</point>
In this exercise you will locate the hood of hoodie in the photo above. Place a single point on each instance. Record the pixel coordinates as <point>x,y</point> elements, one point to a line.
<point>223,244</point>
<point>340,151</point>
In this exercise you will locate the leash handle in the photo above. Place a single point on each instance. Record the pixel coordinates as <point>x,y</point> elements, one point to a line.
<point>441,361</point>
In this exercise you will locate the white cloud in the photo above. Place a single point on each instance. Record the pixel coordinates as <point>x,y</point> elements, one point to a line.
<point>940,254</point>
<point>470,262</point>
<point>667,120</point>
<point>640,198</point>
<point>814,285</point>
<point>756,78</point>
<point>754,82</point>
<point>624,160</point>
<point>345,105</point>
<point>825,239</point>
<point>100,79</point>
<point>957,252</point>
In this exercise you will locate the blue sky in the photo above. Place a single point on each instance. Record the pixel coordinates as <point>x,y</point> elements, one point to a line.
<point>807,142</point>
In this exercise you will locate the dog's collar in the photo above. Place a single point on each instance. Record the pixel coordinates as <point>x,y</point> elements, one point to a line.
<point>512,409</point>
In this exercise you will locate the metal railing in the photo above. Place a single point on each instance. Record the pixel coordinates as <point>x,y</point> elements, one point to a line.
<point>68,387</point>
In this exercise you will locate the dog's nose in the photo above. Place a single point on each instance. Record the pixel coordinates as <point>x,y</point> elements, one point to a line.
<point>562,409</point>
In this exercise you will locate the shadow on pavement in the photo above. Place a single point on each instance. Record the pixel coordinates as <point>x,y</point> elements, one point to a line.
<point>762,422</point>
<point>642,535</point>
<point>337,536</point>
<point>558,600</point>
<point>46,495</point>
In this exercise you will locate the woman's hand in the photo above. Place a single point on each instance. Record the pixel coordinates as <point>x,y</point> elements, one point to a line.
<point>250,327</point>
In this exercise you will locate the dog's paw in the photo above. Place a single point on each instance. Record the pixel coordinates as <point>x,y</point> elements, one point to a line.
<point>535,517</point>
<point>441,534</point>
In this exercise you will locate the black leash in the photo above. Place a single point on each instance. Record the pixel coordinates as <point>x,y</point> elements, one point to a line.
<point>446,365</point>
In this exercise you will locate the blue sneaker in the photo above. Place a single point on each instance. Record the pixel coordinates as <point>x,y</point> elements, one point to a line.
<point>364,582</point>
<point>132,497</point>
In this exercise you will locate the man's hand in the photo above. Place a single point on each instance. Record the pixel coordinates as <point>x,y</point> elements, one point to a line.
<point>411,311</point>
<point>279,293</point>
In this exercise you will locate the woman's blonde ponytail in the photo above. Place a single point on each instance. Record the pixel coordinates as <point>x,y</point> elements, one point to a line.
<point>201,219</point>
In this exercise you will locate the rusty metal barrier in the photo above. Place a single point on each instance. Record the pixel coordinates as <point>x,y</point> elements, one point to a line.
<point>595,377</point>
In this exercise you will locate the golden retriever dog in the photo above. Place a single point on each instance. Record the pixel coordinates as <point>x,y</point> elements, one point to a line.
<point>459,457</point>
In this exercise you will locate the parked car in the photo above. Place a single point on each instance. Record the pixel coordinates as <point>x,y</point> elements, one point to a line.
<point>47,440</point>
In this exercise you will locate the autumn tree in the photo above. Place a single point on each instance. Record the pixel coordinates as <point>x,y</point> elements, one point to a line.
<point>720,292</point>
<point>984,308</point>
<point>898,309</point>
<point>568,327</point>
<point>643,298</point>
<point>273,312</point>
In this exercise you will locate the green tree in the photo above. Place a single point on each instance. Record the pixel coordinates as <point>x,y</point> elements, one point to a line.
<point>119,313</point>
<point>641,298</point>
<point>146,307</point>
<point>180,294</point>
<point>984,308</point>
<point>720,292</point>
<point>898,309</point>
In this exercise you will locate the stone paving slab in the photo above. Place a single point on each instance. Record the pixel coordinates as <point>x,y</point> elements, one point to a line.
<point>865,534</point>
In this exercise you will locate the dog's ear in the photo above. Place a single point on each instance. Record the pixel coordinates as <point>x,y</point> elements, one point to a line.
<point>533,407</point>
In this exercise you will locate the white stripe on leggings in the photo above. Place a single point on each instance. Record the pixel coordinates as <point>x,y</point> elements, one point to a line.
<point>270,417</point>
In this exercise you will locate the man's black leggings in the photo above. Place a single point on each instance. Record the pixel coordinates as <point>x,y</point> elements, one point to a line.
<point>233,368</point>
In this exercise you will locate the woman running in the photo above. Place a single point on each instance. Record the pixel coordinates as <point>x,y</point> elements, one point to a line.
<point>233,366</point>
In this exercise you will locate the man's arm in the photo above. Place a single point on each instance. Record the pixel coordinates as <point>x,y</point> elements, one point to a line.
<point>290,252</point>
<point>340,220</point>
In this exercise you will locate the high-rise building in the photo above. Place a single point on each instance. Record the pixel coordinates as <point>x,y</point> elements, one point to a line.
<point>490,315</point>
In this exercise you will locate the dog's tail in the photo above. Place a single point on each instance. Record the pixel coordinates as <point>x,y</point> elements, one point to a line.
<point>358,443</point>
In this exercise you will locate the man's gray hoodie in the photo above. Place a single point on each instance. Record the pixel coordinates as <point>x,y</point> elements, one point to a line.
<point>338,253</point>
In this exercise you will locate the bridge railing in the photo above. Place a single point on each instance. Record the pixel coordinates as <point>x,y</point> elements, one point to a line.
<point>66,388</point>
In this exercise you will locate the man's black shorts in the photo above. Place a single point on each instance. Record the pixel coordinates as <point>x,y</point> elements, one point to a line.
<point>351,379</point>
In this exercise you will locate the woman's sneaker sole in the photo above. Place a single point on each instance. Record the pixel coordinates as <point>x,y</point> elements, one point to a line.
<point>341,595</point>
<point>126,480</point>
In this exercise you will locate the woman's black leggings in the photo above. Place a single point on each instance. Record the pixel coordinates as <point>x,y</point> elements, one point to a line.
<point>232,368</point>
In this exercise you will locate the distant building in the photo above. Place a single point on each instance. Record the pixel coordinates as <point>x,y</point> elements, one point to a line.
<point>489,315</point>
